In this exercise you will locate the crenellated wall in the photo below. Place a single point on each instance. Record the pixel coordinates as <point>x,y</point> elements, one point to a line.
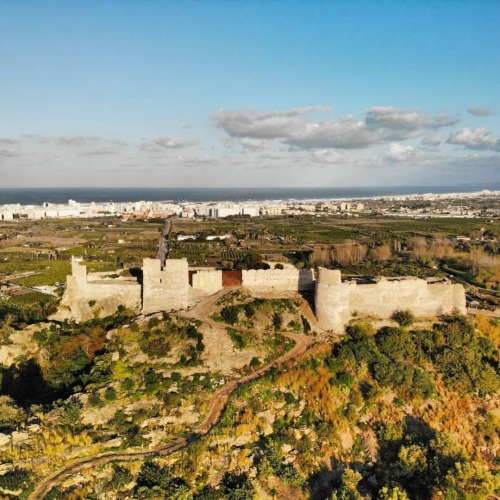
<point>87,296</point>
<point>167,288</point>
<point>338,302</point>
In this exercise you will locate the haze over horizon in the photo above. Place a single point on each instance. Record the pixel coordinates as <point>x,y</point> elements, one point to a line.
<point>260,94</point>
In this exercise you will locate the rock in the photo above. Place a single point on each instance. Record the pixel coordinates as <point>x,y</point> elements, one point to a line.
<point>346,440</point>
<point>4,439</point>
<point>112,443</point>
<point>19,437</point>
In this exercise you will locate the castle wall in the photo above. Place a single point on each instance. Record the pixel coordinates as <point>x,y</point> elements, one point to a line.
<point>337,302</point>
<point>208,281</point>
<point>166,289</point>
<point>84,299</point>
<point>332,300</point>
<point>271,280</point>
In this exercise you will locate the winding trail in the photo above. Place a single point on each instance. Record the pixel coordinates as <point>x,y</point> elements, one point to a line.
<point>219,402</point>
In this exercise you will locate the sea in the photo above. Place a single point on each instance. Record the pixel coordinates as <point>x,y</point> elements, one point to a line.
<point>37,196</point>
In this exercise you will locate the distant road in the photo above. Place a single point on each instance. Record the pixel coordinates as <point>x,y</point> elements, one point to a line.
<point>163,243</point>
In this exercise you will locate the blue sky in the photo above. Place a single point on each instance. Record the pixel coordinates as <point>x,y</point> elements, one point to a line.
<point>260,93</point>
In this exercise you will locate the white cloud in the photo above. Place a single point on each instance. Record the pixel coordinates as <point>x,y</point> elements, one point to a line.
<point>480,111</point>
<point>263,124</point>
<point>196,161</point>
<point>399,152</point>
<point>476,160</point>
<point>342,134</point>
<point>253,144</point>
<point>393,119</point>
<point>432,140</point>
<point>6,140</point>
<point>382,124</point>
<point>9,153</point>
<point>332,156</point>
<point>76,141</point>
<point>478,138</point>
<point>98,152</point>
<point>166,142</point>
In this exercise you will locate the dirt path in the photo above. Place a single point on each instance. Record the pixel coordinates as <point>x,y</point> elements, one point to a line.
<point>219,402</point>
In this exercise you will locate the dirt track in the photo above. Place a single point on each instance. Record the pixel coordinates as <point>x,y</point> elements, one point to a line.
<point>219,402</point>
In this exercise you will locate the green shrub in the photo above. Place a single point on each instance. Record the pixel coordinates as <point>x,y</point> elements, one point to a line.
<point>109,394</point>
<point>230,314</point>
<point>127,384</point>
<point>15,479</point>
<point>403,317</point>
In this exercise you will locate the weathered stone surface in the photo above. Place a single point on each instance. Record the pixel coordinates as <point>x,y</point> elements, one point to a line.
<point>86,297</point>
<point>338,302</point>
<point>164,289</point>
<point>208,281</point>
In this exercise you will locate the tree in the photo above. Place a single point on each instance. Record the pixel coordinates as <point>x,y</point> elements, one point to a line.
<point>472,478</point>
<point>237,486</point>
<point>393,493</point>
<point>11,415</point>
<point>348,486</point>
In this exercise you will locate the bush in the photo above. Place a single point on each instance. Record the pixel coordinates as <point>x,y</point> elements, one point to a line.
<point>109,394</point>
<point>237,486</point>
<point>15,479</point>
<point>277,321</point>
<point>249,310</point>
<point>120,478</point>
<point>95,400</point>
<point>11,415</point>
<point>238,339</point>
<point>403,317</point>
<point>230,314</point>
<point>151,381</point>
<point>127,384</point>
<point>255,361</point>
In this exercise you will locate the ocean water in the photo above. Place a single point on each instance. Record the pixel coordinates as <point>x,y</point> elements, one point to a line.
<point>37,196</point>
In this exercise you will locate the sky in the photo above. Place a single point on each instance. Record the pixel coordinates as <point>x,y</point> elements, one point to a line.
<point>233,93</point>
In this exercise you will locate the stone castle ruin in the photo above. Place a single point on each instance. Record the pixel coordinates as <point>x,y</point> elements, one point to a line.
<point>174,286</point>
<point>337,301</point>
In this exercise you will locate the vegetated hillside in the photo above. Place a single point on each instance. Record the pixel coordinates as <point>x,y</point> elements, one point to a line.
<point>393,414</point>
<point>110,384</point>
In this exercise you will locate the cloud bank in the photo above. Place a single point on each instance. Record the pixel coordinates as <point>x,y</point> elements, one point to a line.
<point>382,124</point>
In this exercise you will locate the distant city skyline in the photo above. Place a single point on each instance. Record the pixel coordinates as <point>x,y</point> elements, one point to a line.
<point>260,94</point>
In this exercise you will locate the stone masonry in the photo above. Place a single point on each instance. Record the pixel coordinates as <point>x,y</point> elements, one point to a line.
<point>336,301</point>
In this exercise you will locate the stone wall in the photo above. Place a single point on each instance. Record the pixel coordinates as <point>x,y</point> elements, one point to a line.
<point>206,282</point>
<point>86,297</point>
<point>164,289</point>
<point>337,302</point>
<point>271,280</point>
